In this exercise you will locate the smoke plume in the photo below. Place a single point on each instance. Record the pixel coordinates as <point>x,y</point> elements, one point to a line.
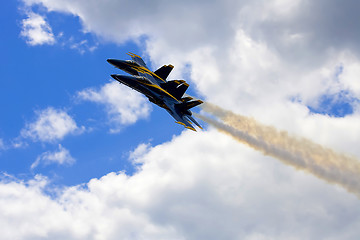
<point>301,153</point>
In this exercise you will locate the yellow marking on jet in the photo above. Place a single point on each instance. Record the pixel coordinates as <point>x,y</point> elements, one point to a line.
<point>191,128</point>
<point>133,55</point>
<point>142,69</point>
<point>181,123</point>
<point>181,82</point>
<point>157,87</point>
<point>188,127</point>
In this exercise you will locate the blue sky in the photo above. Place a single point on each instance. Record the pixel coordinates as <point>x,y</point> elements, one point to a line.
<point>42,76</point>
<point>82,157</point>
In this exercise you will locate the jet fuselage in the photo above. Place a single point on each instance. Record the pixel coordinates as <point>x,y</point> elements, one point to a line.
<point>166,94</point>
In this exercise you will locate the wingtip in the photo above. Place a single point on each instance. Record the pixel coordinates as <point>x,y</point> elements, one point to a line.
<point>180,123</point>
<point>191,128</point>
<point>188,127</point>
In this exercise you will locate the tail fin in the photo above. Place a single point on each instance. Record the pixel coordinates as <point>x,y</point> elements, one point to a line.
<point>177,88</point>
<point>164,71</point>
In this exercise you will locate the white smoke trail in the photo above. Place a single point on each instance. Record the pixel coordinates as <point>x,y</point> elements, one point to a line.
<point>298,152</point>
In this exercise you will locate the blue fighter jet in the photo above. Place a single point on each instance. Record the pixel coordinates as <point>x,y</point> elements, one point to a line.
<point>166,94</point>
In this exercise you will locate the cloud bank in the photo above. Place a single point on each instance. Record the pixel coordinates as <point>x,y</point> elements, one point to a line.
<point>227,193</point>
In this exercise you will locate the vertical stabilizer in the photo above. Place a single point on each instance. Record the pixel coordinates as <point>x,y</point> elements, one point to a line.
<point>164,71</point>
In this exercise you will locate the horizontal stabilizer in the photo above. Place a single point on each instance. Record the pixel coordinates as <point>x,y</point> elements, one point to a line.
<point>191,104</point>
<point>177,88</point>
<point>164,71</point>
<point>186,99</point>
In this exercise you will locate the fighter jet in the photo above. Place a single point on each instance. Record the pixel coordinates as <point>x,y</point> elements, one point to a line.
<point>166,94</point>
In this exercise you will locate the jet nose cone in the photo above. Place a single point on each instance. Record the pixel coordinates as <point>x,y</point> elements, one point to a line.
<point>117,63</point>
<point>111,61</point>
<point>114,76</point>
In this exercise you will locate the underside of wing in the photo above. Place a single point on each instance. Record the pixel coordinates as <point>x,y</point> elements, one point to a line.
<point>183,117</point>
<point>186,125</point>
<point>193,120</point>
<point>182,120</point>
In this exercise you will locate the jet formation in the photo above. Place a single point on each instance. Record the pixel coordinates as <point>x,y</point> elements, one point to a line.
<point>166,94</point>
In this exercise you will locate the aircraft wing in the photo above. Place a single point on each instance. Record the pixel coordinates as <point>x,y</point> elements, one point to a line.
<point>142,70</point>
<point>183,119</point>
<point>137,59</point>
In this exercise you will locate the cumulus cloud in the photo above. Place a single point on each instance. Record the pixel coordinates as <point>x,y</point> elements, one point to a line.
<point>36,30</point>
<point>213,190</point>
<point>50,125</point>
<point>310,30</point>
<point>123,105</point>
<point>61,157</point>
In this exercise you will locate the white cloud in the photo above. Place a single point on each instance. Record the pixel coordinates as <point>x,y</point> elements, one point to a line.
<point>138,152</point>
<point>61,157</point>
<point>36,30</point>
<point>123,105</point>
<point>19,143</point>
<point>349,76</point>
<point>190,188</point>
<point>51,125</point>
<point>82,46</point>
